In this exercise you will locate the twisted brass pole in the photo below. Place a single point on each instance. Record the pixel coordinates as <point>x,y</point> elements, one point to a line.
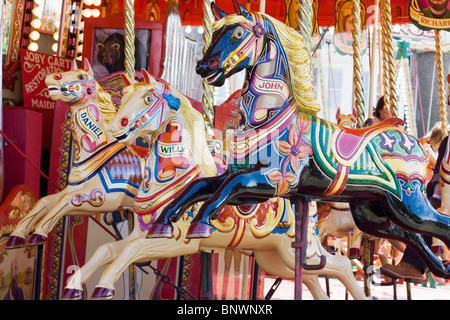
<point>384,36</point>
<point>129,38</point>
<point>389,51</point>
<point>304,14</point>
<point>208,92</point>
<point>441,81</point>
<point>129,69</point>
<point>358,86</point>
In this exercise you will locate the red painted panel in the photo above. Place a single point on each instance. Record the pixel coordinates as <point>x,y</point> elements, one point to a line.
<point>24,127</point>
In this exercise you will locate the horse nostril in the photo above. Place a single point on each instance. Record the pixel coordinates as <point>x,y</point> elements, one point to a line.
<point>57,77</point>
<point>213,63</point>
<point>124,122</point>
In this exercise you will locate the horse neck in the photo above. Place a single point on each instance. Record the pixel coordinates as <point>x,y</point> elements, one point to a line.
<point>89,130</point>
<point>171,157</point>
<point>269,89</point>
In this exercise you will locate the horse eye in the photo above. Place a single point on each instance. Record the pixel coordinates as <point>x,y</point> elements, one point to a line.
<point>81,77</point>
<point>148,99</point>
<point>238,34</point>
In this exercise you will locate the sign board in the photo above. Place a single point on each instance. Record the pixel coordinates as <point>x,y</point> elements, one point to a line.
<point>343,31</point>
<point>430,14</point>
<point>35,67</point>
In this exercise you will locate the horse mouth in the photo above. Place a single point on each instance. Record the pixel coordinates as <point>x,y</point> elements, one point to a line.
<point>53,89</point>
<point>215,76</point>
<point>123,136</point>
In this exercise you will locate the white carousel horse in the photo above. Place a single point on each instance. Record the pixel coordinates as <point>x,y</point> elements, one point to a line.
<point>178,155</point>
<point>104,175</point>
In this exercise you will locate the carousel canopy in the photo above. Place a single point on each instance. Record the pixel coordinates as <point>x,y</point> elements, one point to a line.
<point>191,11</point>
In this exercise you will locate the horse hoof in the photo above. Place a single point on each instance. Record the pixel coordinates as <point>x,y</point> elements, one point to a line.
<point>15,242</point>
<point>353,253</point>
<point>160,230</point>
<point>437,250</point>
<point>199,230</point>
<point>36,239</point>
<point>102,294</point>
<point>72,294</point>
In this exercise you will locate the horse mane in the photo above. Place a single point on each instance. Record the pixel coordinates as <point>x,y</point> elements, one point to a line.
<point>105,105</point>
<point>299,60</point>
<point>195,125</point>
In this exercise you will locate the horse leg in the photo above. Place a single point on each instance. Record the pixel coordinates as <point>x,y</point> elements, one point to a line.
<point>65,206</point>
<point>104,255</point>
<point>140,250</point>
<point>336,266</point>
<point>414,212</point>
<point>355,244</point>
<point>245,185</point>
<point>26,225</point>
<point>271,262</point>
<point>196,191</point>
<point>371,219</point>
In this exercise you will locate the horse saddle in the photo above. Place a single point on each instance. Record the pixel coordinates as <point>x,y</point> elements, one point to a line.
<point>348,143</point>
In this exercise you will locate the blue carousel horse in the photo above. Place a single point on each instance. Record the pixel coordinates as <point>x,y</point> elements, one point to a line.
<point>283,150</point>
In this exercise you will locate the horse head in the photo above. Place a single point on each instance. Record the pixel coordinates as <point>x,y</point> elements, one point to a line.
<point>346,120</point>
<point>145,106</point>
<point>236,45</point>
<point>73,87</point>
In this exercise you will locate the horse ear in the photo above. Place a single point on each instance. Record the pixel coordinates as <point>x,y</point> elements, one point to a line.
<point>127,80</point>
<point>239,8</point>
<point>338,112</point>
<point>87,68</point>
<point>74,65</point>
<point>218,13</point>
<point>355,112</point>
<point>147,77</point>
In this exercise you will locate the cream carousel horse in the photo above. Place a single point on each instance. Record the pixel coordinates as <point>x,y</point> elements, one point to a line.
<point>179,154</point>
<point>104,175</point>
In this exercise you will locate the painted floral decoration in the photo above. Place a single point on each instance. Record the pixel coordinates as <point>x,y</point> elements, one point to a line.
<point>296,151</point>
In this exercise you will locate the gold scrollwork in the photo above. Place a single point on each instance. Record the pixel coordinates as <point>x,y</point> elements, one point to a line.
<point>22,204</point>
<point>96,198</point>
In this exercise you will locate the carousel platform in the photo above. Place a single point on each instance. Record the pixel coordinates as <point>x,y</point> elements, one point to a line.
<point>285,291</point>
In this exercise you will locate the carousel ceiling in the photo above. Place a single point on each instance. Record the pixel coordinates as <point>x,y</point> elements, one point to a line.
<point>191,11</point>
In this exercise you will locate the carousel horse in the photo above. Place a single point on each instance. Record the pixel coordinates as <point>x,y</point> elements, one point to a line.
<point>179,154</point>
<point>104,175</point>
<point>282,149</point>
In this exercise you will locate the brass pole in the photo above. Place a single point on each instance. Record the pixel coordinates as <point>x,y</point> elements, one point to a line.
<point>358,86</point>
<point>389,56</point>
<point>304,14</point>
<point>208,91</point>
<point>129,69</point>
<point>441,81</point>
<point>129,39</point>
